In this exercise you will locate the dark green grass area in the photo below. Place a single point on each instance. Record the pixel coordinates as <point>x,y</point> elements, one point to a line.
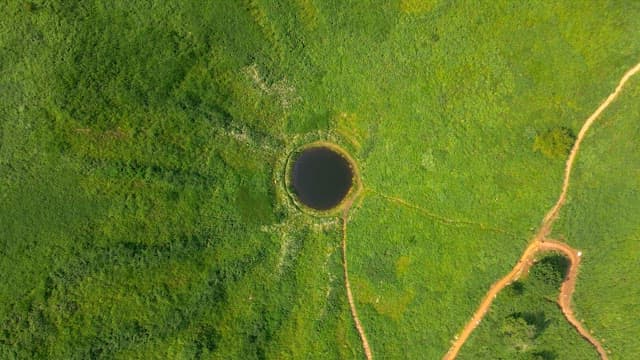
<point>601,219</point>
<point>525,322</point>
<point>142,212</point>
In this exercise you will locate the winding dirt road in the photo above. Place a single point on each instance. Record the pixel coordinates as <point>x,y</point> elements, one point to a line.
<point>568,287</point>
<point>526,261</point>
<point>540,243</point>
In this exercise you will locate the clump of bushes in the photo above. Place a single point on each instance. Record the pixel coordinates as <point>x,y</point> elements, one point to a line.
<point>555,143</point>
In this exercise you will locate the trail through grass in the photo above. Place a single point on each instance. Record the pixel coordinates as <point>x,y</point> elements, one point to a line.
<point>540,244</point>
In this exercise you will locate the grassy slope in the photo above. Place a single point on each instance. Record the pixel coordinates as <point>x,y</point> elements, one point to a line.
<point>139,143</point>
<point>600,218</point>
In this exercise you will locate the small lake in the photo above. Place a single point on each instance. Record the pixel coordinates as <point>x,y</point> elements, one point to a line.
<point>321,177</point>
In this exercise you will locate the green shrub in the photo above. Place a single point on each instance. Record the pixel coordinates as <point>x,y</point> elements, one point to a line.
<point>519,332</point>
<point>555,143</point>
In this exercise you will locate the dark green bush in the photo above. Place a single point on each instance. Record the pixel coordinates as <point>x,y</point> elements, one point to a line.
<point>555,143</point>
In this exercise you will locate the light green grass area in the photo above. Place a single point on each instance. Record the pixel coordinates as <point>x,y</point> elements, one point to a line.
<point>601,219</point>
<point>142,205</point>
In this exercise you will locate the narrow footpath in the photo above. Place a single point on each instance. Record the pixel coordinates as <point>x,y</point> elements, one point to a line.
<point>352,303</point>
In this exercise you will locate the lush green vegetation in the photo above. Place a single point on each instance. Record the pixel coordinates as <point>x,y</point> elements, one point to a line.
<point>601,219</point>
<point>142,143</point>
<point>526,323</point>
<point>555,143</point>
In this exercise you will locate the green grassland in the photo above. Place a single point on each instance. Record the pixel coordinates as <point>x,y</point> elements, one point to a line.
<point>526,323</point>
<point>601,219</point>
<point>142,205</point>
<point>408,285</point>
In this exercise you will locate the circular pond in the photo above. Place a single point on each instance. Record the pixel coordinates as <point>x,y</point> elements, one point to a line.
<point>321,177</point>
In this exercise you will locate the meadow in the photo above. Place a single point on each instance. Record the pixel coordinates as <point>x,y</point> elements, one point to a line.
<point>142,148</point>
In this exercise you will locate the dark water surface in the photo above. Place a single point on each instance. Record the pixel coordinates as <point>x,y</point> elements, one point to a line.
<point>321,177</point>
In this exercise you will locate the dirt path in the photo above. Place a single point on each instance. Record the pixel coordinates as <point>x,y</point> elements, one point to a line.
<point>352,304</point>
<point>540,243</point>
<point>568,287</point>
<point>553,213</point>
